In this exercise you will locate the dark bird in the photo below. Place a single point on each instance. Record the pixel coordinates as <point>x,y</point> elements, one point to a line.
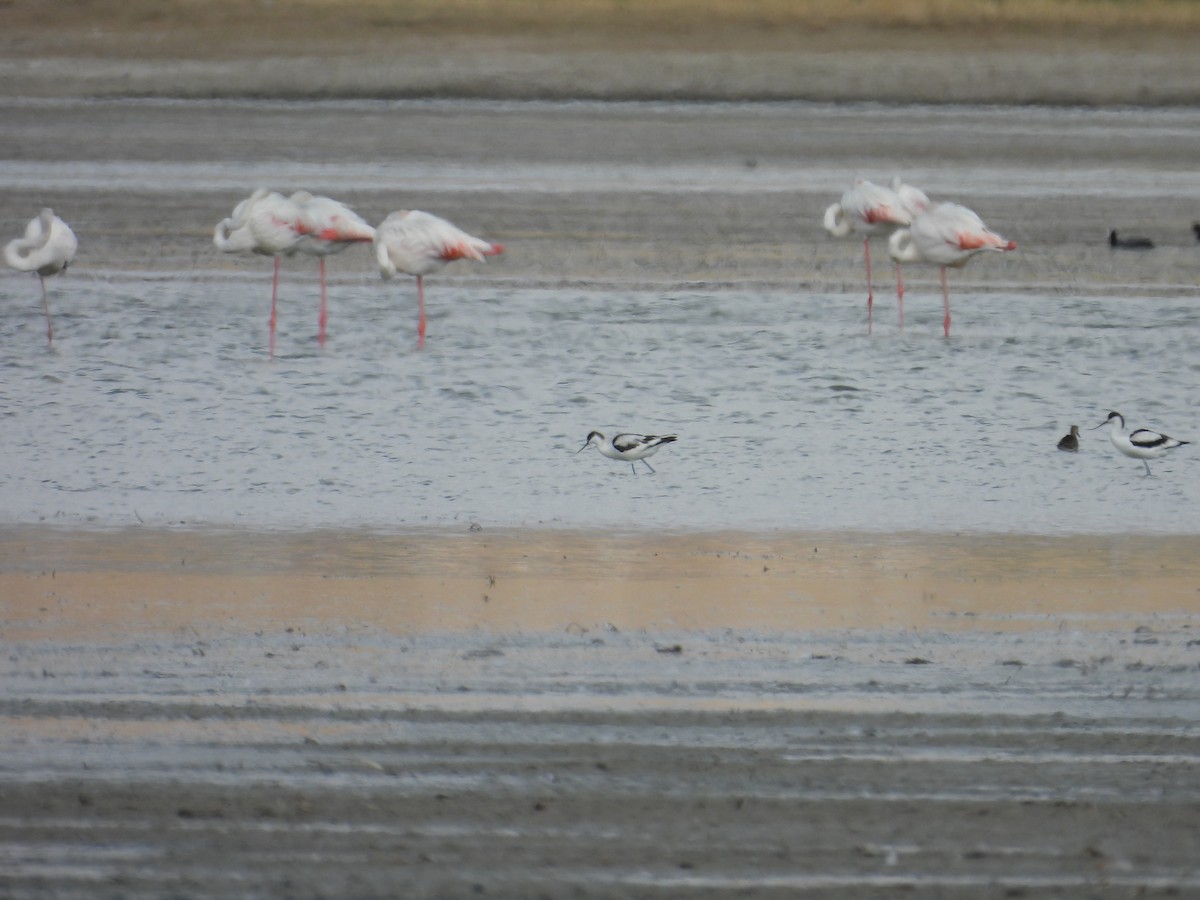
<point>1071,441</point>
<point>1196,228</point>
<point>1133,243</point>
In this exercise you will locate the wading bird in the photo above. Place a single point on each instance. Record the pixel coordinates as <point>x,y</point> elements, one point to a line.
<point>945,235</point>
<point>628,447</point>
<point>266,223</point>
<point>419,243</point>
<point>1070,442</point>
<point>1141,443</point>
<point>47,248</point>
<point>870,210</point>
<point>326,227</point>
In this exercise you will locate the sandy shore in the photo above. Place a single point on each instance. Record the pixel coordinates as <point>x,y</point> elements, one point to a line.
<point>64,586</point>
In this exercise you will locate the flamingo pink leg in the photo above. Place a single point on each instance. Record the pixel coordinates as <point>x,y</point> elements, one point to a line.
<point>945,303</point>
<point>421,307</point>
<point>274,295</point>
<point>900,294</point>
<point>323,318</point>
<point>870,293</point>
<point>46,306</point>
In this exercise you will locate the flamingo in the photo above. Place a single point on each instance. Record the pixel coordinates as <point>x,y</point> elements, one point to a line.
<point>915,202</point>
<point>872,210</point>
<point>946,234</point>
<point>419,243</point>
<point>47,248</point>
<point>327,227</point>
<point>266,223</point>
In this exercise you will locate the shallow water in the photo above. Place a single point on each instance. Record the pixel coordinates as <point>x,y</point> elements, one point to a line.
<point>158,404</point>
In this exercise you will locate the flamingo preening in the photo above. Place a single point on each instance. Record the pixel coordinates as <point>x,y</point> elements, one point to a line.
<point>870,210</point>
<point>946,234</point>
<point>270,224</point>
<point>266,223</point>
<point>419,243</point>
<point>47,248</point>
<point>327,226</point>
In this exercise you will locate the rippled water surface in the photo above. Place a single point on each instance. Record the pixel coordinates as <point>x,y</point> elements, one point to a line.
<point>703,299</point>
<point>158,404</point>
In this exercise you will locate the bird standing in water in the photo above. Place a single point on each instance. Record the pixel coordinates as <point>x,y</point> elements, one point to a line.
<point>419,243</point>
<point>266,223</point>
<point>1070,442</point>
<point>1142,443</point>
<point>945,235</point>
<point>628,447</point>
<point>327,227</point>
<point>47,248</point>
<point>869,209</point>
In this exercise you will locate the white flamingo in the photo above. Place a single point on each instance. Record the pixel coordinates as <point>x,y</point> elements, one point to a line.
<point>419,243</point>
<point>946,234</point>
<point>266,223</point>
<point>915,202</point>
<point>870,210</point>
<point>327,226</point>
<point>47,248</point>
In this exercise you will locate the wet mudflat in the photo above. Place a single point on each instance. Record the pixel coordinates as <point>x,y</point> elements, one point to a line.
<point>603,764</point>
<point>441,712</point>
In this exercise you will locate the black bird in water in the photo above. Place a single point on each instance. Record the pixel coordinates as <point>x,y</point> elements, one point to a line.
<point>1196,228</point>
<point>1071,441</point>
<point>1133,243</point>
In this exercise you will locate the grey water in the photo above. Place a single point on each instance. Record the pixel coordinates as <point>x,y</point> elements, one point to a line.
<point>158,405</point>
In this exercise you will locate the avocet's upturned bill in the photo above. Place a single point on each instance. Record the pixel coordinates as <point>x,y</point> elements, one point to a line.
<point>47,248</point>
<point>628,447</point>
<point>1141,443</point>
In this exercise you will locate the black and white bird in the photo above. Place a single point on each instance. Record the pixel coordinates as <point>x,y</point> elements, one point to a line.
<point>1142,443</point>
<point>1129,243</point>
<point>628,447</point>
<point>1070,442</point>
